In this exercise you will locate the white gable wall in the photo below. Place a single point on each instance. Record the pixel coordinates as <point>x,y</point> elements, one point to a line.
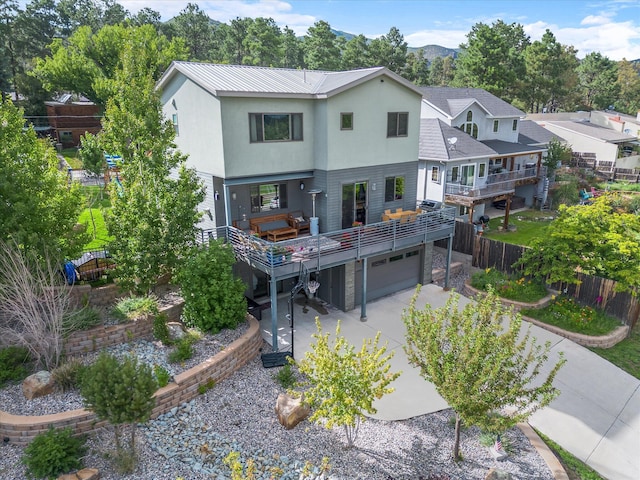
<point>607,152</point>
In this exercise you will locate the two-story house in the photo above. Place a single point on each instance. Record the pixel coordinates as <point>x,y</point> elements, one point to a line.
<point>471,154</point>
<point>339,147</point>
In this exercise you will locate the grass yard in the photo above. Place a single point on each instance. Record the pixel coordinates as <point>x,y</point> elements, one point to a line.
<point>529,225</point>
<point>93,216</point>
<point>72,158</point>
<point>576,469</point>
<point>625,354</point>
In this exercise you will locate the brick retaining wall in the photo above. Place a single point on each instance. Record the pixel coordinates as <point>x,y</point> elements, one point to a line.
<point>22,429</point>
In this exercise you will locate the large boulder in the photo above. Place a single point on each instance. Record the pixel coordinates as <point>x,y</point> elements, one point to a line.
<point>290,410</point>
<point>176,331</point>
<point>38,385</point>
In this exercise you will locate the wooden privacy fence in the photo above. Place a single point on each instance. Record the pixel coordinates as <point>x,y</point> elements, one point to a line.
<point>592,291</point>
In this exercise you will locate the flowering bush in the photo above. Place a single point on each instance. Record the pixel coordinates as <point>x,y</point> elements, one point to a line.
<point>506,286</point>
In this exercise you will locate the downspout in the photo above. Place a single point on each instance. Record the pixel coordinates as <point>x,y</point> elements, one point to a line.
<point>274,313</point>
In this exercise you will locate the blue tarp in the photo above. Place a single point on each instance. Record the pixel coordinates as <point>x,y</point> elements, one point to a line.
<point>70,272</point>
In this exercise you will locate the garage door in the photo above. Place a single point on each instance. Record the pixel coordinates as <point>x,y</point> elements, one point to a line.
<point>390,273</point>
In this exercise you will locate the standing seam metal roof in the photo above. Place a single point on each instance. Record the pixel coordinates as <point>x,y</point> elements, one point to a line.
<point>244,79</point>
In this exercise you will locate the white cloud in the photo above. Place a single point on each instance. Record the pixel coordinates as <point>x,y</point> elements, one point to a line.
<point>444,38</point>
<point>595,20</point>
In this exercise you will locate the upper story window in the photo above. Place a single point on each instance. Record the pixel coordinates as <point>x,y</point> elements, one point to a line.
<point>482,170</point>
<point>470,128</point>
<point>397,124</point>
<point>174,121</point>
<point>393,188</point>
<point>275,127</point>
<point>469,116</point>
<point>514,127</point>
<point>346,121</point>
<point>435,174</point>
<point>496,123</point>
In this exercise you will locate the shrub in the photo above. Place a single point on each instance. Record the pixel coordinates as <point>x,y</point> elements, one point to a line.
<point>506,286</point>
<point>160,328</point>
<point>52,453</point>
<point>14,364</point>
<point>286,377</point>
<point>213,297</point>
<point>82,319</point>
<point>183,350</point>
<point>162,375</point>
<point>68,375</point>
<point>131,308</point>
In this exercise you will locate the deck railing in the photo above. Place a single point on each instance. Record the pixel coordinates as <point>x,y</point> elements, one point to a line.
<point>282,259</point>
<point>497,184</point>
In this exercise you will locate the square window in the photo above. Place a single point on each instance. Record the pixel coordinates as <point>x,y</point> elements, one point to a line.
<point>397,124</point>
<point>346,121</point>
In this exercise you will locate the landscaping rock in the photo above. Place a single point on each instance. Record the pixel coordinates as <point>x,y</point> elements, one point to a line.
<point>38,385</point>
<point>84,474</point>
<point>176,331</point>
<point>291,411</point>
<point>497,474</point>
<point>498,455</point>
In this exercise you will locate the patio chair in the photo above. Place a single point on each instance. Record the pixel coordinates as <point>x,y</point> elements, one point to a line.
<point>298,221</point>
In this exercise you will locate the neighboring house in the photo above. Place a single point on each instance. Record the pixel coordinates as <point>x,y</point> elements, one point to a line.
<point>71,119</point>
<point>473,154</point>
<point>619,122</point>
<point>604,147</point>
<point>270,142</point>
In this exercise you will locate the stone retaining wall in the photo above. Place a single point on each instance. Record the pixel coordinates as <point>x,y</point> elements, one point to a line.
<point>22,429</point>
<point>96,338</point>
<point>602,341</point>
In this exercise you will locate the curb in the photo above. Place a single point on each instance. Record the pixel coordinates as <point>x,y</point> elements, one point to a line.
<point>544,451</point>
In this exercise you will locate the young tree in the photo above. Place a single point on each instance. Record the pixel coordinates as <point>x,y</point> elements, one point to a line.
<point>557,154</point>
<point>120,392</point>
<point>344,383</point>
<point>479,365</point>
<point>594,239</point>
<point>153,216</point>
<point>38,209</point>
<point>213,297</point>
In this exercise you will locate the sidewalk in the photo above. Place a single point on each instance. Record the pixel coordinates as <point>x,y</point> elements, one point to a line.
<point>596,417</point>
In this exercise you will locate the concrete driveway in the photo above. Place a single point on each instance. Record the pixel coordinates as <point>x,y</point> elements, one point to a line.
<point>596,417</point>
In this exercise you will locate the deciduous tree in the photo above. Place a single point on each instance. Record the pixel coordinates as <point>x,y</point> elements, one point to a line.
<point>628,83</point>
<point>594,239</point>
<point>479,364</point>
<point>344,383</point>
<point>38,208</point>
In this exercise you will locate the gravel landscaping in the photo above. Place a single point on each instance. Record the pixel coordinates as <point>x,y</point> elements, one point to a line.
<point>192,440</point>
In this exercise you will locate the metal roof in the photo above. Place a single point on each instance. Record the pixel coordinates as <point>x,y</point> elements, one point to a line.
<point>435,145</point>
<point>245,80</point>
<point>590,130</point>
<point>453,101</point>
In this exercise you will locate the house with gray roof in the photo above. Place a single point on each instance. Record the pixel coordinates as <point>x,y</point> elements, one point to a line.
<point>473,152</point>
<point>278,145</point>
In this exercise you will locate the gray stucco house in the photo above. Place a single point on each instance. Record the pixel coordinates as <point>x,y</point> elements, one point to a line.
<point>341,145</point>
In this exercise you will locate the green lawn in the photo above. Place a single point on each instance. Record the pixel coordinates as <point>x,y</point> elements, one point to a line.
<point>576,469</point>
<point>529,225</point>
<point>72,158</point>
<point>93,216</point>
<point>625,355</point>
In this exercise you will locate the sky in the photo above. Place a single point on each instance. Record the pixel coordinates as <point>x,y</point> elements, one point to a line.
<point>611,27</point>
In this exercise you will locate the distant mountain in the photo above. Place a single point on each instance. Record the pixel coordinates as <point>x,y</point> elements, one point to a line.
<point>339,33</point>
<point>433,51</point>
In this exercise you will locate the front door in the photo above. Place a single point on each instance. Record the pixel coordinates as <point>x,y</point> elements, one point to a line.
<point>354,204</point>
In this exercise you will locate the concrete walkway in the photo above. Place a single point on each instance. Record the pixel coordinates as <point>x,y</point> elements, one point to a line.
<point>596,417</point>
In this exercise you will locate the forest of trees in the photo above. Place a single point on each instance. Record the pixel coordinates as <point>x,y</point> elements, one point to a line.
<point>536,76</point>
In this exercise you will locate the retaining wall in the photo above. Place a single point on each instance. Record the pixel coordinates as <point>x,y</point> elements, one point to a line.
<point>22,429</point>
